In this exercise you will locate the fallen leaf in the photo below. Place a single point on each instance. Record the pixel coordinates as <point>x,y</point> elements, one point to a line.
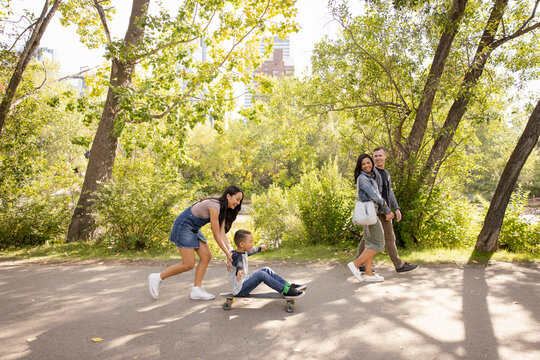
<point>97,339</point>
<point>515,302</point>
<point>44,262</point>
<point>30,339</point>
<point>474,261</point>
<point>476,277</point>
<point>404,284</point>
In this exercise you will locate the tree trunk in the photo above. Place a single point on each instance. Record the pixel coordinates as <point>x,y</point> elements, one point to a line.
<point>459,107</point>
<point>103,151</point>
<point>416,136</point>
<point>489,235</point>
<point>25,57</point>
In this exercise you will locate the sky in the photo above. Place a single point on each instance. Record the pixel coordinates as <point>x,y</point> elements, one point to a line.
<point>314,19</point>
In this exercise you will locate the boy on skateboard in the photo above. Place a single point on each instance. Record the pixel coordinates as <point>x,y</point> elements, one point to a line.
<point>242,284</point>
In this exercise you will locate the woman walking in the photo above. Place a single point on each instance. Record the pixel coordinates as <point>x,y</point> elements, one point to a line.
<point>187,236</point>
<point>368,190</point>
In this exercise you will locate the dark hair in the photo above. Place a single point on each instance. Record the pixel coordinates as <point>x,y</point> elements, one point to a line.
<point>358,168</point>
<point>240,235</point>
<point>379,148</point>
<point>225,214</point>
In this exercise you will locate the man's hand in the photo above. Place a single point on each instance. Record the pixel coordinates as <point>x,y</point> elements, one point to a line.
<point>240,274</point>
<point>263,247</point>
<point>398,215</point>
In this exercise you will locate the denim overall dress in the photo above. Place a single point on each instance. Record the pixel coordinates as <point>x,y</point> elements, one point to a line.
<point>186,230</point>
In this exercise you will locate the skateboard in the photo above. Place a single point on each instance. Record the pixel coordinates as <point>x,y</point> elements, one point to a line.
<point>268,295</point>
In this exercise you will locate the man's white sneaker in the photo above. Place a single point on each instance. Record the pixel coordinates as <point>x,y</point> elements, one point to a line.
<point>154,283</point>
<point>354,270</point>
<point>198,293</point>
<point>374,278</point>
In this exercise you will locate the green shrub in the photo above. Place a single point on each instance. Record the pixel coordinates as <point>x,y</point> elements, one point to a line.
<point>38,212</point>
<point>445,221</point>
<point>274,217</point>
<point>518,235</point>
<point>136,209</point>
<point>325,200</point>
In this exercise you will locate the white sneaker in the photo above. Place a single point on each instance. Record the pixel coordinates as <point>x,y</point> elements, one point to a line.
<point>374,278</point>
<point>198,293</point>
<point>354,270</point>
<point>154,284</point>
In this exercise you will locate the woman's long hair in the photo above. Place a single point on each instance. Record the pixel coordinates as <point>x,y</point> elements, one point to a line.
<point>226,214</point>
<point>358,168</point>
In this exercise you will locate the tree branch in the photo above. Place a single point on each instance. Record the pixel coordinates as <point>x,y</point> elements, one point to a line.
<point>26,96</point>
<point>373,58</point>
<point>176,103</point>
<point>21,34</point>
<point>158,49</point>
<point>103,19</point>
<point>516,34</point>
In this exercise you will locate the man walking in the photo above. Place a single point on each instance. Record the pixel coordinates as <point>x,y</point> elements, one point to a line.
<point>385,187</point>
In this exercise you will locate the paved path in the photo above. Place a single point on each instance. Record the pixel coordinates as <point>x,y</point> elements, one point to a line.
<point>53,311</point>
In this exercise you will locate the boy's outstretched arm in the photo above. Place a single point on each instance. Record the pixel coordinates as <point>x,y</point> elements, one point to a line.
<point>256,249</point>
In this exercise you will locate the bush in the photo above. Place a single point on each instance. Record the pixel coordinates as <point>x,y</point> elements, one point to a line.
<point>39,212</point>
<point>325,201</point>
<point>517,235</point>
<point>445,221</point>
<point>136,209</point>
<point>274,217</point>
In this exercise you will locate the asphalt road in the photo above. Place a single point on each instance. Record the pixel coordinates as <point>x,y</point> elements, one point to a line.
<point>53,311</point>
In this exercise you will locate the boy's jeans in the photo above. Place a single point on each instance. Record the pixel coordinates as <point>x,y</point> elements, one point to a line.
<point>265,275</point>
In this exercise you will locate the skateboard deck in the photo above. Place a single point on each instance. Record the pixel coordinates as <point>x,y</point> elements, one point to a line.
<point>268,295</point>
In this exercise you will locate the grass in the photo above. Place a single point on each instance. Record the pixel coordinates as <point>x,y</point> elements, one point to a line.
<point>79,251</point>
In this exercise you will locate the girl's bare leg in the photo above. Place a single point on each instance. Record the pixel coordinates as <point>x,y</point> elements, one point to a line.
<point>369,266</point>
<point>204,259</point>
<point>366,254</point>
<point>188,263</point>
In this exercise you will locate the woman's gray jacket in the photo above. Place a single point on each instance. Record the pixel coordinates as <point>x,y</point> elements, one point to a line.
<point>368,189</point>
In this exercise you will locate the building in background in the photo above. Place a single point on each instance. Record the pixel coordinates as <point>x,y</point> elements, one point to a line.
<point>78,82</point>
<point>45,53</point>
<point>279,64</point>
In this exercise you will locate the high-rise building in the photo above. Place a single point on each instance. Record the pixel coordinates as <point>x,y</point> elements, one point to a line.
<point>279,64</point>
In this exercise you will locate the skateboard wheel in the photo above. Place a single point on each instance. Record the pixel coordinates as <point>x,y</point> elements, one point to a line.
<point>227,304</point>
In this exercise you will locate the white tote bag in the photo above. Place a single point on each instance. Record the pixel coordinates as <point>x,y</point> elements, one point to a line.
<point>364,212</point>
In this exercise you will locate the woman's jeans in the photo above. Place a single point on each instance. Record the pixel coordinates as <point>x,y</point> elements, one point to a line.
<point>265,275</point>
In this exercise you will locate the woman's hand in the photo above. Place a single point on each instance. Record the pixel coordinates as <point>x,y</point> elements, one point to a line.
<point>263,247</point>
<point>389,216</point>
<point>229,261</point>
